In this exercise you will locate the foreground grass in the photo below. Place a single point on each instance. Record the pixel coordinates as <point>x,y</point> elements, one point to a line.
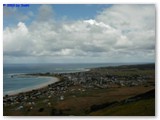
<point>139,108</point>
<point>78,103</point>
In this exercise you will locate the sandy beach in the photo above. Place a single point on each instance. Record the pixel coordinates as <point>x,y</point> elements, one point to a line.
<point>36,87</point>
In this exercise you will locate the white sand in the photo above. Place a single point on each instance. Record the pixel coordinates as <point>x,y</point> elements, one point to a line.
<point>53,80</point>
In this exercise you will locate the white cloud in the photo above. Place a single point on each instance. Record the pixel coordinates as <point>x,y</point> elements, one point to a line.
<point>17,41</point>
<point>119,33</point>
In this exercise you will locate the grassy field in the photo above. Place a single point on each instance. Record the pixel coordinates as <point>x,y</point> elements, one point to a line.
<point>78,103</point>
<point>138,108</point>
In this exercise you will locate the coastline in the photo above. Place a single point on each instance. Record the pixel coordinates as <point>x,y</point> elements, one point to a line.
<point>40,86</point>
<point>36,87</point>
<point>57,78</point>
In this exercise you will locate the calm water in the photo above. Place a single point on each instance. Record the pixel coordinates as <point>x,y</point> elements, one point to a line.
<point>18,84</point>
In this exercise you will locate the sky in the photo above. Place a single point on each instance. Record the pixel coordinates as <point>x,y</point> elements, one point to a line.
<point>79,33</point>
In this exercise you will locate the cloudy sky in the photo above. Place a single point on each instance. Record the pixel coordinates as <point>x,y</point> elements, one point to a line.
<point>79,33</point>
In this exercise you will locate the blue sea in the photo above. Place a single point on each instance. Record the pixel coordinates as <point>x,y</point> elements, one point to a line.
<point>12,85</point>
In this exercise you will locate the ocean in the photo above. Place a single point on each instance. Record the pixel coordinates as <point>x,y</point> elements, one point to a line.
<point>16,84</point>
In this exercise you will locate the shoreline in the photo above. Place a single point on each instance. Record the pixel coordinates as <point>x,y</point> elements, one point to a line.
<point>40,86</point>
<point>36,87</point>
<point>46,84</point>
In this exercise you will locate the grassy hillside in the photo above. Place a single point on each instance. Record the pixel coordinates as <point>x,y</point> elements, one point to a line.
<point>138,108</point>
<point>139,105</point>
